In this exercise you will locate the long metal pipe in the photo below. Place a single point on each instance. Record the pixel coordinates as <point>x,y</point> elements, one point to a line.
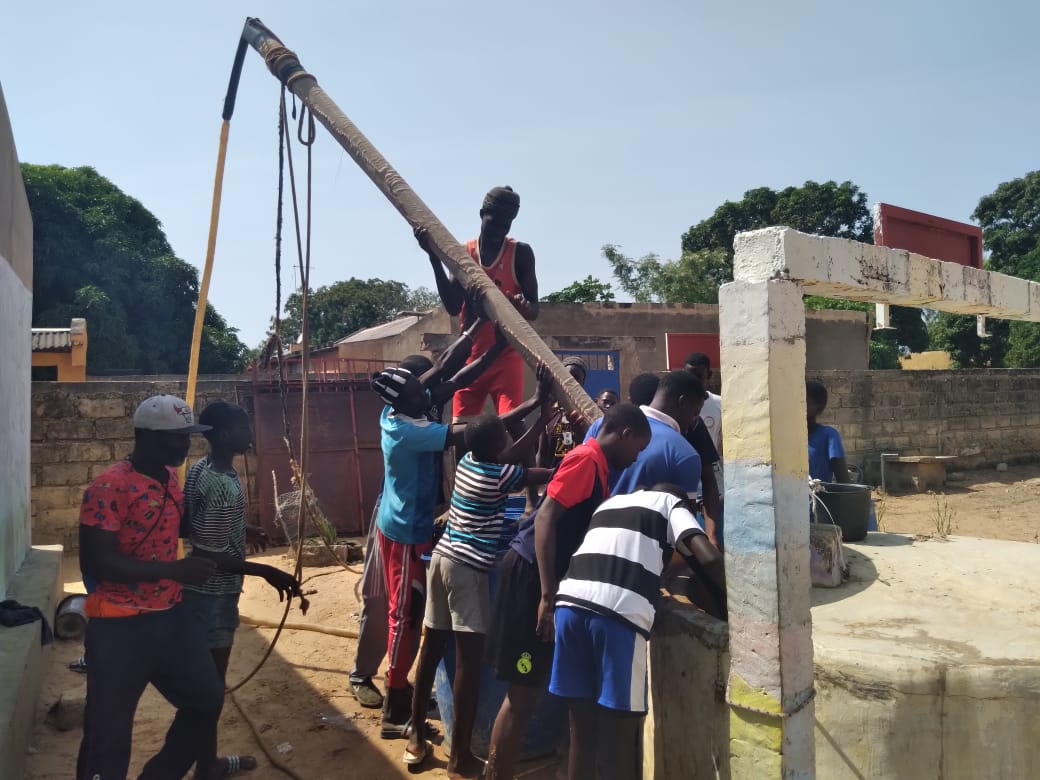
<point>286,67</point>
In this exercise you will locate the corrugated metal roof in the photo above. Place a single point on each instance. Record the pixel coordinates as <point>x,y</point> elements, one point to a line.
<point>52,339</point>
<point>387,329</point>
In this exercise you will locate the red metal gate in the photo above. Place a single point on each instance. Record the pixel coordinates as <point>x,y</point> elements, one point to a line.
<point>345,462</point>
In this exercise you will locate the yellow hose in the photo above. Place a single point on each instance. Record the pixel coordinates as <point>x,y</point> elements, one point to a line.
<point>207,272</point>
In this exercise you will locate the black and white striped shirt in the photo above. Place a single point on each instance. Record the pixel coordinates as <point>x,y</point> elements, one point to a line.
<point>617,569</point>
<point>216,507</point>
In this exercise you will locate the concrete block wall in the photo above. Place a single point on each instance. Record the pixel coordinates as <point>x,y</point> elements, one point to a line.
<point>79,429</point>
<point>983,416</point>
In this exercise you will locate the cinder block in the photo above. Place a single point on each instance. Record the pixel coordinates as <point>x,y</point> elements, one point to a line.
<point>94,408</point>
<point>50,498</point>
<point>61,519</point>
<point>64,474</point>
<point>115,428</point>
<point>88,451</point>
<point>46,453</point>
<point>59,430</point>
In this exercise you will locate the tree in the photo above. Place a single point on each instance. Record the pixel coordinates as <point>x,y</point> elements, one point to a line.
<point>1010,222</point>
<point>694,278</point>
<point>102,255</point>
<point>341,308</point>
<point>958,335</point>
<point>587,290</point>
<point>828,209</point>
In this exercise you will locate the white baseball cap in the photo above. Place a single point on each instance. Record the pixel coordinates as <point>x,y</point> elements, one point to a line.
<point>167,413</point>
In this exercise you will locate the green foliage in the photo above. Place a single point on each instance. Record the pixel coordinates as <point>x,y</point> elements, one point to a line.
<point>823,302</point>
<point>339,309</point>
<point>1010,221</point>
<point>587,290</point>
<point>1023,345</point>
<point>694,278</point>
<point>827,209</point>
<point>884,350</point>
<point>957,334</point>
<point>102,255</point>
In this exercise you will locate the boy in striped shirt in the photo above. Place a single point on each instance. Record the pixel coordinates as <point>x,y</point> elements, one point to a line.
<point>458,595</point>
<point>215,503</point>
<point>605,607</point>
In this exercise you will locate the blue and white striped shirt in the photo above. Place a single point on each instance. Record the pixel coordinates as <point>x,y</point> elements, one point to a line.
<point>477,511</point>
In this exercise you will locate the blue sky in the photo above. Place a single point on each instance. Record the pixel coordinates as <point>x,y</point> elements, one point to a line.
<point>617,122</point>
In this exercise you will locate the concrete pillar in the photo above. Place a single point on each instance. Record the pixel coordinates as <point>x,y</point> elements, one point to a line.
<point>770,687</point>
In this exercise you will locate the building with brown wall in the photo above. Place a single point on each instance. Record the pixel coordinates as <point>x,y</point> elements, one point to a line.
<point>636,333</point>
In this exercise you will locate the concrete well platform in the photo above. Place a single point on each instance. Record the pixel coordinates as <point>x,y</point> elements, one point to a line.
<point>928,661</point>
<point>927,667</point>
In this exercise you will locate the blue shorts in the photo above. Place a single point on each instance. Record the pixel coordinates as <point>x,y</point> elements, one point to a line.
<point>599,658</point>
<point>220,613</point>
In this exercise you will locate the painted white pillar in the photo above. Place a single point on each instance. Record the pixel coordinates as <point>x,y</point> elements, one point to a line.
<point>762,335</point>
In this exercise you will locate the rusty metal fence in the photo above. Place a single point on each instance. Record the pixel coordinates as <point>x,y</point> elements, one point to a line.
<point>345,459</point>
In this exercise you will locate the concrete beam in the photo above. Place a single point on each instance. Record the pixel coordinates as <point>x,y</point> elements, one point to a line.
<point>847,269</point>
<point>762,333</point>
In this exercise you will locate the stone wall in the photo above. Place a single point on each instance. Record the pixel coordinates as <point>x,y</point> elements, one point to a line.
<point>983,416</point>
<point>80,428</point>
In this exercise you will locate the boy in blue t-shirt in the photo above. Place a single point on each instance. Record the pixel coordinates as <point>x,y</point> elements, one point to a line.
<point>412,445</point>
<point>826,453</point>
<point>669,457</point>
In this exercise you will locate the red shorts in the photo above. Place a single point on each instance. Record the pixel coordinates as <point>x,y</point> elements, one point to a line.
<point>503,381</point>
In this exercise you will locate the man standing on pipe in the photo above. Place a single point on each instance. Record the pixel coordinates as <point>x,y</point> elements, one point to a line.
<point>510,265</point>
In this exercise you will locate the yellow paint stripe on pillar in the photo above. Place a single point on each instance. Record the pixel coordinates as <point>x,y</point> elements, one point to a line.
<point>750,434</point>
<point>756,730</point>
<point>744,695</point>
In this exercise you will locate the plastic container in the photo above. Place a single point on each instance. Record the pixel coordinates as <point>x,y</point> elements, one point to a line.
<point>545,731</point>
<point>849,507</point>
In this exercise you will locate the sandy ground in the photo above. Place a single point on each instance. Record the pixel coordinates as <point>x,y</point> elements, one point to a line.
<point>986,504</point>
<point>306,677</point>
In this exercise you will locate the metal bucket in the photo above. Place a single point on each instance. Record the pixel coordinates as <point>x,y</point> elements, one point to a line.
<point>70,619</point>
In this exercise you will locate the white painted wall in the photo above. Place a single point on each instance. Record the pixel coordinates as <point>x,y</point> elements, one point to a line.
<point>15,413</point>
<point>15,356</point>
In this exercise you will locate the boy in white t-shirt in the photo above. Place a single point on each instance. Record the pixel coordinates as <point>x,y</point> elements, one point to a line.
<point>699,364</point>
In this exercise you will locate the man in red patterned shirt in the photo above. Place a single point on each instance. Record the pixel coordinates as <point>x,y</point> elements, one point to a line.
<point>139,631</point>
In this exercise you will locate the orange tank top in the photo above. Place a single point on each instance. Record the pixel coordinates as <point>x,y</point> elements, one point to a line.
<point>503,273</point>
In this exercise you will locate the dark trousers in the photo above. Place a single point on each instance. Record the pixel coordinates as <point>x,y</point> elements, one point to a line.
<point>168,649</point>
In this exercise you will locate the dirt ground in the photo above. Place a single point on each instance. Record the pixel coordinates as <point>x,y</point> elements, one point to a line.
<point>306,676</point>
<point>300,698</point>
<point>987,504</point>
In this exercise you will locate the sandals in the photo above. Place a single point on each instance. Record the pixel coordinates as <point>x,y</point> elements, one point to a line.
<point>416,758</point>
